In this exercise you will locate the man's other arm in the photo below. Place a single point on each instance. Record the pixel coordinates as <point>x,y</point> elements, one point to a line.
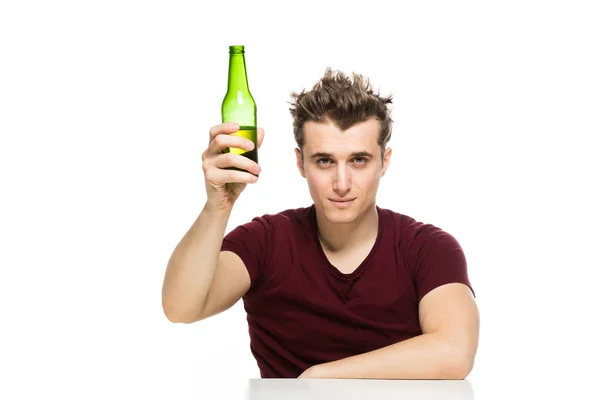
<point>446,350</point>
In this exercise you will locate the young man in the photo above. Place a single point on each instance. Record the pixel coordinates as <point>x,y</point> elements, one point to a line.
<point>339,289</point>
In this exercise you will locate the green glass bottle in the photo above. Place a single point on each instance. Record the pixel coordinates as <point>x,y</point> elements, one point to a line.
<point>239,105</point>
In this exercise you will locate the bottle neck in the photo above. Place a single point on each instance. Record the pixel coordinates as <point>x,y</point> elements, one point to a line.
<point>238,80</point>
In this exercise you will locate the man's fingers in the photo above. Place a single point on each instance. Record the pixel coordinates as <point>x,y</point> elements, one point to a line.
<point>235,160</point>
<point>231,127</point>
<point>226,127</point>
<point>223,141</point>
<point>260,135</point>
<point>223,176</point>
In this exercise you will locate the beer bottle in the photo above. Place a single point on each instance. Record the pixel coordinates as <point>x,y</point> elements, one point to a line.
<point>238,105</point>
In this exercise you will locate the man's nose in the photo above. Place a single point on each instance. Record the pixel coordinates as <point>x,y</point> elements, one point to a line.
<point>342,182</point>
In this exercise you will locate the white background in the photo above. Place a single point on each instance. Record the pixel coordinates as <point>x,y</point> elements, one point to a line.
<point>105,109</point>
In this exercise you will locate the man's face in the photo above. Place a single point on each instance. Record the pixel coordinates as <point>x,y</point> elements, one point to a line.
<point>342,168</point>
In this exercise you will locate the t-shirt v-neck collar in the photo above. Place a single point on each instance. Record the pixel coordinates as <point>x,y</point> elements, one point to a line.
<point>330,267</point>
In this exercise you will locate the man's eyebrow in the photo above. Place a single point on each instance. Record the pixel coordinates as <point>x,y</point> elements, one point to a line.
<point>328,155</point>
<point>365,154</point>
<point>321,155</point>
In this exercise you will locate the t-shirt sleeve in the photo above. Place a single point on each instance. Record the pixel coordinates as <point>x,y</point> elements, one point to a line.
<point>252,243</point>
<point>437,258</point>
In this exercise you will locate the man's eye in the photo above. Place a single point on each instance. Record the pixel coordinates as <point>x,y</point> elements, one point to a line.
<point>360,160</point>
<point>323,161</point>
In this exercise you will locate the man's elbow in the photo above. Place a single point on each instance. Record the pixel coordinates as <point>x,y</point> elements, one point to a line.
<point>171,315</point>
<point>458,367</point>
<point>177,316</point>
<point>174,318</point>
<point>180,319</point>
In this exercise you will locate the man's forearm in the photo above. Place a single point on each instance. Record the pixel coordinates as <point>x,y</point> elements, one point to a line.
<point>192,266</point>
<point>428,356</point>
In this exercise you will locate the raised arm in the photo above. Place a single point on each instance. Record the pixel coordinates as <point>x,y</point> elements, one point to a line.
<point>200,280</point>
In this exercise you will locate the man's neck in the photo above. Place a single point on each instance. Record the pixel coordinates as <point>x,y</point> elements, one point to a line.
<point>337,238</point>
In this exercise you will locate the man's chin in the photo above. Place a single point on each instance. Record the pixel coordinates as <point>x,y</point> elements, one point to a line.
<point>340,216</point>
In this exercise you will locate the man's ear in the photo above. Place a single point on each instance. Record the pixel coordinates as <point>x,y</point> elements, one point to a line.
<point>387,155</point>
<point>299,162</point>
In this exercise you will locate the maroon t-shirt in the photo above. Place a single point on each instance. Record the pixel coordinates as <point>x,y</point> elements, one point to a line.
<point>303,311</point>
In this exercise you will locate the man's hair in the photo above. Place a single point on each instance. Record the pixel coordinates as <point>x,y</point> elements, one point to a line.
<point>343,101</point>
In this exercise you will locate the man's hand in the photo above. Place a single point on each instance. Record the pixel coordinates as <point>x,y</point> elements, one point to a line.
<point>223,186</point>
<point>311,373</point>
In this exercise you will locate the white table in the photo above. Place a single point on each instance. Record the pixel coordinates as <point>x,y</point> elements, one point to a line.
<point>350,389</point>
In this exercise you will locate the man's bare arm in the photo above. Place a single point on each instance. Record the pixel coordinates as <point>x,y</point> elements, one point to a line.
<point>200,279</point>
<point>197,263</point>
<point>445,350</point>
